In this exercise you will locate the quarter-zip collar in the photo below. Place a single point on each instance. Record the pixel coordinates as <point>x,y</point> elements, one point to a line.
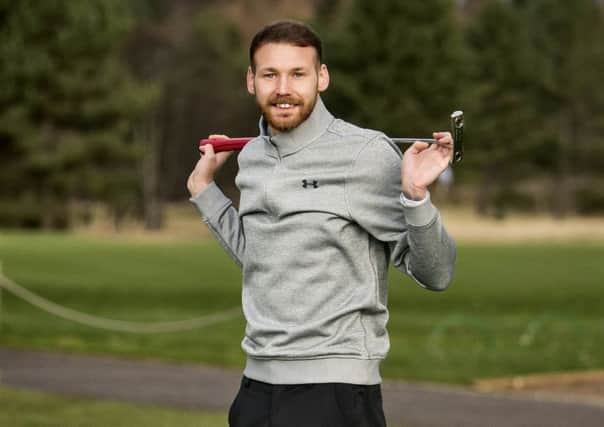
<point>286,143</point>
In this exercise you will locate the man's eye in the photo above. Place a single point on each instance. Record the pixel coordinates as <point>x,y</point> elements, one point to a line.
<point>269,75</point>
<point>298,75</point>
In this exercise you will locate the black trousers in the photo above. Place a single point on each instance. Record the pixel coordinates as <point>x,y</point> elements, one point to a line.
<point>259,404</point>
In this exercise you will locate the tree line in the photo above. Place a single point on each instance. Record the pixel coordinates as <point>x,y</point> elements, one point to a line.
<point>103,101</point>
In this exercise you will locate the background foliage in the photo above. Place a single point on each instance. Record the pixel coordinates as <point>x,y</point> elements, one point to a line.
<point>103,101</point>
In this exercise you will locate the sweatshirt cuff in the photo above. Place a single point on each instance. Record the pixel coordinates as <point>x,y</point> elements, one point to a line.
<point>210,201</point>
<point>410,203</point>
<point>418,213</point>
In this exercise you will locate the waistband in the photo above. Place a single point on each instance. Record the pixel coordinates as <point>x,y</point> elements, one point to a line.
<point>331,370</point>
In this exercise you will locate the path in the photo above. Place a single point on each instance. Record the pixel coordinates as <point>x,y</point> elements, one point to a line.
<point>193,386</point>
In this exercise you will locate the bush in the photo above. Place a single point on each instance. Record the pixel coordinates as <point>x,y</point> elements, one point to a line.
<point>19,215</point>
<point>589,199</point>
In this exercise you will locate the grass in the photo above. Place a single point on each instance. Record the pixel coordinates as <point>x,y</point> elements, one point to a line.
<point>28,409</point>
<point>512,309</point>
<point>19,408</point>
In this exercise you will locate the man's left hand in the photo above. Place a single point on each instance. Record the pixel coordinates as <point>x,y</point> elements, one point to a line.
<point>423,163</point>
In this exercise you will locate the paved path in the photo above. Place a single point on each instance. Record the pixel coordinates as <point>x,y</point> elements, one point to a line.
<point>193,386</point>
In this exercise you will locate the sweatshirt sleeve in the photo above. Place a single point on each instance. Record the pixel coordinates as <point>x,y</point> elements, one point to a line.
<point>417,241</point>
<point>222,219</point>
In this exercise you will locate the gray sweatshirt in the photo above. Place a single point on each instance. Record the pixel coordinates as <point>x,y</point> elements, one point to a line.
<point>319,221</point>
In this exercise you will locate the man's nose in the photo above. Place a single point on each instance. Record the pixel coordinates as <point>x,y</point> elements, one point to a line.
<point>283,85</point>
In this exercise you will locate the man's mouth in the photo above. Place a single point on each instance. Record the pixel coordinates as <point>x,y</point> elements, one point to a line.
<point>284,106</point>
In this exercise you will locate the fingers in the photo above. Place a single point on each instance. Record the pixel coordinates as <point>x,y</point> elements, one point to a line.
<point>441,153</point>
<point>444,145</point>
<point>207,149</point>
<point>443,138</point>
<point>418,147</point>
<point>209,156</point>
<point>208,152</point>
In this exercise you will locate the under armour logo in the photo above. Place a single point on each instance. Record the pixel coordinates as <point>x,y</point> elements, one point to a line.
<point>313,183</point>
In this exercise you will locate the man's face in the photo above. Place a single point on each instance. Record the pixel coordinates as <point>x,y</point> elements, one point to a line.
<point>286,83</point>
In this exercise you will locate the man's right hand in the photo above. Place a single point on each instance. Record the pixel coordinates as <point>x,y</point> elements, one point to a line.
<point>206,167</point>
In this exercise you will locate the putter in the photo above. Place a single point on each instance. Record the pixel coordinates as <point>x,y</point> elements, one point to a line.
<point>457,123</point>
<point>456,132</point>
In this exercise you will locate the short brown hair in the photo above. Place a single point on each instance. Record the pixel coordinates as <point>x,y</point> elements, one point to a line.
<point>289,32</point>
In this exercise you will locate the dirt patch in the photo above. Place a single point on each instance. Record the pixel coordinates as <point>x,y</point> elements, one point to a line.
<point>576,386</point>
<point>466,226</point>
<point>183,223</point>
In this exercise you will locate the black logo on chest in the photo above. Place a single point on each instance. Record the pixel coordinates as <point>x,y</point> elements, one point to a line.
<point>307,183</point>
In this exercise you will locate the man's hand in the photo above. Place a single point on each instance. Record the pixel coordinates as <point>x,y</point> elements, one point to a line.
<point>423,163</point>
<point>206,167</point>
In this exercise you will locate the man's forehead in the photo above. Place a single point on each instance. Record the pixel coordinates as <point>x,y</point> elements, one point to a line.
<point>285,55</point>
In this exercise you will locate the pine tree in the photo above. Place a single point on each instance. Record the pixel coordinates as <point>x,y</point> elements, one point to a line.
<point>196,55</point>
<point>501,99</point>
<point>66,111</point>
<point>568,40</point>
<point>395,66</point>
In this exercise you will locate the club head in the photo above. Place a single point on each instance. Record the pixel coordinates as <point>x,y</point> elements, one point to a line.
<point>457,132</point>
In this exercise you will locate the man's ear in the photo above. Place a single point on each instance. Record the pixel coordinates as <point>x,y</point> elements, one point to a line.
<point>323,78</point>
<point>249,78</point>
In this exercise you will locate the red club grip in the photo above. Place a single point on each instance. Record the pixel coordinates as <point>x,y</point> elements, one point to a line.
<point>226,144</point>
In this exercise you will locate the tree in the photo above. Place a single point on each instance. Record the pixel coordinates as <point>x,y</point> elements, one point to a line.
<point>396,66</point>
<point>66,109</point>
<point>501,97</point>
<point>195,54</point>
<point>210,88</point>
<point>567,37</point>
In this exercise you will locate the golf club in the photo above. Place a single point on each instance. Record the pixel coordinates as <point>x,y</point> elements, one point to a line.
<point>457,124</point>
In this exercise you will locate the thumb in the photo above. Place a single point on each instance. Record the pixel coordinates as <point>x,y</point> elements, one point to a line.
<point>418,147</point>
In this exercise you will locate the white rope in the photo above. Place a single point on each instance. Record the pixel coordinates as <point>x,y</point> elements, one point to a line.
<point>112,324</point>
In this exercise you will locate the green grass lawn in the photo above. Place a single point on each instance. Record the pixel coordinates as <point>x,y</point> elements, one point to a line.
<point>511,309</point>
<point>32,409</point>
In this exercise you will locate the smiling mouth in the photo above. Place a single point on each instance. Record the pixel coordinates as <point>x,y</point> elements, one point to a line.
<point>284,106</point>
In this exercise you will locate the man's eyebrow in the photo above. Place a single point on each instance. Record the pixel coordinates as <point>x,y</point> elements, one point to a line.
<point>274,70</point>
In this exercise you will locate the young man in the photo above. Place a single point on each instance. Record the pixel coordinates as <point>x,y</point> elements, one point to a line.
<point>324,207</point>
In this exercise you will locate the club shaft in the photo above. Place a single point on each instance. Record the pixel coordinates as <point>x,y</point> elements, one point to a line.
<point>412,140</point>
<point>231,144</point>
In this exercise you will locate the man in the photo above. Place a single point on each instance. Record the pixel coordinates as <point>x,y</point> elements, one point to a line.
<point>324,207</point>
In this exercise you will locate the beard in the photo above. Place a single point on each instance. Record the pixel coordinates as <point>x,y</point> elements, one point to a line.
<point>287,119</point>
